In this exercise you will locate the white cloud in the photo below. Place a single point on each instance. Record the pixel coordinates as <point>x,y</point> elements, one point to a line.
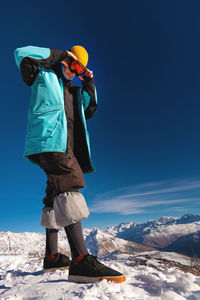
<point>139,199</point>
<point>128,207</point>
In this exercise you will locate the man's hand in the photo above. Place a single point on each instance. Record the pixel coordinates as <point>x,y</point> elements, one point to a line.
<point>88,74</point>
<point>64,62</point>
<point>72,55</point>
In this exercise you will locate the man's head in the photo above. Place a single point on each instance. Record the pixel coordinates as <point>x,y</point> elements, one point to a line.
<point>81,54</point>
<point>76,62</point>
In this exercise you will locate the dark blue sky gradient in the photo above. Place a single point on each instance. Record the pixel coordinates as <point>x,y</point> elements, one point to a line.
<point>145,56</point>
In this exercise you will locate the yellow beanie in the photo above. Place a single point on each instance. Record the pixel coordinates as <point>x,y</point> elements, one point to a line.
<point>81,54</point>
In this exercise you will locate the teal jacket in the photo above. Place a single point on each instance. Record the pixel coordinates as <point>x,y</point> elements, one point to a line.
<point>47,123</point>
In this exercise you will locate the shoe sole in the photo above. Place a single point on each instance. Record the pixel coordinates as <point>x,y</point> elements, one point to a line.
<point>84,279</point>
<point>55,269</point>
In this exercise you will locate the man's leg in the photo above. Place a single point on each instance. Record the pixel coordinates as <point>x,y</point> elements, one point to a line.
<point>51,242</point>
<point>64,174</point>
<point>51,234</point>
<point>53,259</point>
<point>76,241</point>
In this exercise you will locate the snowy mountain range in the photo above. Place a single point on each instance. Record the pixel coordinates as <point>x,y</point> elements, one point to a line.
<point>181,235</point>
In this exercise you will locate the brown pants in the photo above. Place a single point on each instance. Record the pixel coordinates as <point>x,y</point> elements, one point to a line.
<point>63,173</point>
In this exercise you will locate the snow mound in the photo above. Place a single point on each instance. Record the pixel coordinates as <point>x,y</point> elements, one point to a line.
<point>22,278</point>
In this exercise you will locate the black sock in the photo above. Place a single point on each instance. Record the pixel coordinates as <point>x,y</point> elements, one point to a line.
<point>76,241</point>
<point>51,241</point>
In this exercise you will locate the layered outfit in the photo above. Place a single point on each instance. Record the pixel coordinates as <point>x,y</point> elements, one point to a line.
<point>57,138</point>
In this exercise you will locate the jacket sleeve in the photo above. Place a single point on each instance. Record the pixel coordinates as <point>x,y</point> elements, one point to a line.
<point>89,97</point>
<point>29,58</point>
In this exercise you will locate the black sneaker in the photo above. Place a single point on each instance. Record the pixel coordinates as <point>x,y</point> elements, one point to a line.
<point>55,262</point>
<point>89,269</point>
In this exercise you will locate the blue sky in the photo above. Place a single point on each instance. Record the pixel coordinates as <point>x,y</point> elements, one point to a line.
<point>145,143</point>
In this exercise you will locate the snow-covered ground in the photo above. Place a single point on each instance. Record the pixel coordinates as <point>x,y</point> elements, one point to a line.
<point>151,274</point>
<point>22,278</point>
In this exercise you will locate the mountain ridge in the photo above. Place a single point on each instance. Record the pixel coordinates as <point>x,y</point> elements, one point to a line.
<point>164,234</point>
<point>161,233</point>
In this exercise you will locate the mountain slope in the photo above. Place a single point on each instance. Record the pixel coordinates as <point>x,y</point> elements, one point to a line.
<point>98,241</point>
<point>167,233</point>
<point>188,245</point>
<point>159,234</point>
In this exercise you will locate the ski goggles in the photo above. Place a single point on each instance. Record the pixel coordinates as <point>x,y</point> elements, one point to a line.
<point>76,67</point>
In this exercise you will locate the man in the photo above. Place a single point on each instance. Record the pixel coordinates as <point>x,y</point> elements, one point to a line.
<point>57,140</point>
